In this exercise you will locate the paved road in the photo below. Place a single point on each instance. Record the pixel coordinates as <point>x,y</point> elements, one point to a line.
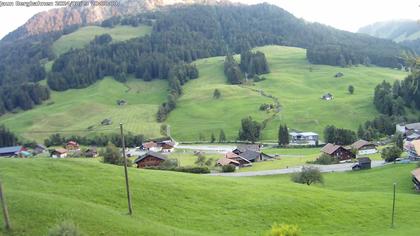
<point>207,148</point>
<point>322,168</point>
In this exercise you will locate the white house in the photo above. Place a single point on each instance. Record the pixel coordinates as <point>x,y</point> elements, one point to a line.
<point>303,138</point>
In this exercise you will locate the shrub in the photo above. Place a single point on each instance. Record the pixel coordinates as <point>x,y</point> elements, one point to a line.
<point>169,164</point>
<point>325,159</point>
<point>112,155</point>
<point>65,229</point>
<point>284,230</point>
<point>193,169</point>
<point>228,168</point>
<point>390,154</point>
<point>308,175</point>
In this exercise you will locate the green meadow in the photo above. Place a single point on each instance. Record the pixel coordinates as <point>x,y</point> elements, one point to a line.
<point>84,35</point>
<point>44,192</point>
<point>75,111</point>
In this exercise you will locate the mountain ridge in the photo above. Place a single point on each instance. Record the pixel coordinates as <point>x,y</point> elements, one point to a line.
<point>396,30</point>
<point>58,19</point>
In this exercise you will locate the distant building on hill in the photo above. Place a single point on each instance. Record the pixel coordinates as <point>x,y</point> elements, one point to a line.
<point>304,138</point>
<point>72,146</point>
<point>339,75</point>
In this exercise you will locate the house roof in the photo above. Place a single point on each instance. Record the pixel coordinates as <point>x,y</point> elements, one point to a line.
<point>14,149</point>
<point>227,161</point>
<point>231,155</point>
<point>169,144</point>
<point>245,147</point>
<point>416,146</point>
<point>360,143</point>
<point>250,155</point>
<point>364,160</point>
<point>72,143</point>
<point>415,126</point>
<point>330,148</point>
<point>150,153</point>
<point>413,136</point>
<point>416,173</point>
<point>60,150</point>
<point>149,145</point>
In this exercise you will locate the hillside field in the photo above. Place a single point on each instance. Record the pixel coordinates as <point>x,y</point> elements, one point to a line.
<point>298,89</point>
<point>74,111</point>
<point>43,192</point>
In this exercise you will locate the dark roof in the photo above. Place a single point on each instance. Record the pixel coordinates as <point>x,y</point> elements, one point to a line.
<point>364,160</point>
<point>251,147</point>
<point>60,150</point>
<point>6,150</point>
<point>360,143</point>
<point>250,155</point>
<point>330,148</point>
<point>150,153</point>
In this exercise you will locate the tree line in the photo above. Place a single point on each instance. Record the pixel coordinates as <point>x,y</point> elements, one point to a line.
<point>7,138</point>
<point>100,140</point>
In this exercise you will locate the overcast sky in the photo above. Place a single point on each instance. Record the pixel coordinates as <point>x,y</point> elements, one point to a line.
<point>342,14</point>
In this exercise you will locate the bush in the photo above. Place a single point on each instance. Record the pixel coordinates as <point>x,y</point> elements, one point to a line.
<point>228,168</point>
<point>169,164</point>
<point>308,175</point>
<point>185,169</point>
<point>390,154</point>
<point>325,159</point>
<point>284,230</point>
<point>65,229</point>
<point>112,155</point>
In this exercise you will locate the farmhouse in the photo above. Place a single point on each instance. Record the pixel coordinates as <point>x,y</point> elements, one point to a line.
<point>416,178</point>
<point>226,161</point>
<point>72,146</point>
<point>304,138</point>
<point>11,151</point>
<point>364,147</point>
<point>167,146</point>
<point>151,146</point>
<point>149,159</point>
<point>237,158</point>
<point>337,151</point>
<point>91,152</point>
<point>253,156</point>
<point>243,147</point>
<point>363,163</point>
<point>327,97</point>
<point>413,149</point>
<point>58,153</point>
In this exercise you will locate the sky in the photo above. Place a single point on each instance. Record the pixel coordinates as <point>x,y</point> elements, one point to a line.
<point>347,15</point>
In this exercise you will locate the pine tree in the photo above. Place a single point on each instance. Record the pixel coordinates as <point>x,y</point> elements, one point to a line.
<point>222,136</point>
<point>212,138</point>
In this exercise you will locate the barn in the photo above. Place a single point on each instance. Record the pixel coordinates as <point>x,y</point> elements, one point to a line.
<point>150,159</point>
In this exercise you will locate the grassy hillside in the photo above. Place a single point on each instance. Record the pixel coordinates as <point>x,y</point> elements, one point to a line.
<point>76,110</point>
<point>298,89</point>
<point>84,35</point>
<point>44,192</point>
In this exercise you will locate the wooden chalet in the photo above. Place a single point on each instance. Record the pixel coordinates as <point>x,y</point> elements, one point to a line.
<point>364,147</point>
<point>416,178</point>
<point>236,158</point>
<point>338,151</point>
<point>150,159</point>
<point>151,146</point>
<point>167,146</point>
<point>59,153</point>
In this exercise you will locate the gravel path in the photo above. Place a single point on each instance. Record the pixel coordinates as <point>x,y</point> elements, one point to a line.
<point>322,168</point>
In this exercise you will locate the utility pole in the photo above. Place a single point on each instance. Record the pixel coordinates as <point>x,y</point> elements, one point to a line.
<point>393,207</point>
<point>127,185</point>
<point>5,210</point>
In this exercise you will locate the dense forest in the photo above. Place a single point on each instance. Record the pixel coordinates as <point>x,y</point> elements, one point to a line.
<point>181,35</point>
<point>7,138</point>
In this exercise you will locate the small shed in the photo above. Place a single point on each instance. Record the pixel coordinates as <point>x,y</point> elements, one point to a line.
<point>150,159</point>
<point>339,75</point>
<point>327,97</point>
<point>363,164</point>
<point>59,153</point>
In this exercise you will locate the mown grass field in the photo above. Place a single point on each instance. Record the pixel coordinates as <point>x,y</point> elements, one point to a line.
<point>298,89</point>
<point>44,192</point>
<point>84,35</point>
<point>74,111</point>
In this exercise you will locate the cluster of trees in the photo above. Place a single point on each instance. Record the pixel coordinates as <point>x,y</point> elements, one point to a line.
<point>254,63</point>
<point>232,70</point>
<point>100,140</point>
<point>7,138</point>
<point>283,137</point>
<point>24,96</point>
<point>377,128</point>
<point>388,98</point>
<point>250,130</point>
<point>112,155</point>
<point>178,76</point>
<point>339,136</point>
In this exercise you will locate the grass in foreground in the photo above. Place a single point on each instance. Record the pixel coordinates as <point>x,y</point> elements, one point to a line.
<point>44,192</point>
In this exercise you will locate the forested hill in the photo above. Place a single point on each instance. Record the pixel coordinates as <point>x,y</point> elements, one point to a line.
<point>180,34</point>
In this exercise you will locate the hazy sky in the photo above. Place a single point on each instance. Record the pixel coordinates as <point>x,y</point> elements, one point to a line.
<point>343,14</point>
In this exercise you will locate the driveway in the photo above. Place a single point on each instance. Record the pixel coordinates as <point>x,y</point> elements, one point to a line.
<point>322,168</point>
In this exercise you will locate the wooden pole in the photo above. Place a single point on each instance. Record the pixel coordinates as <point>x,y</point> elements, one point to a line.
<point>393,207</point>
<point>4,206</point>
<point>127,185</point>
